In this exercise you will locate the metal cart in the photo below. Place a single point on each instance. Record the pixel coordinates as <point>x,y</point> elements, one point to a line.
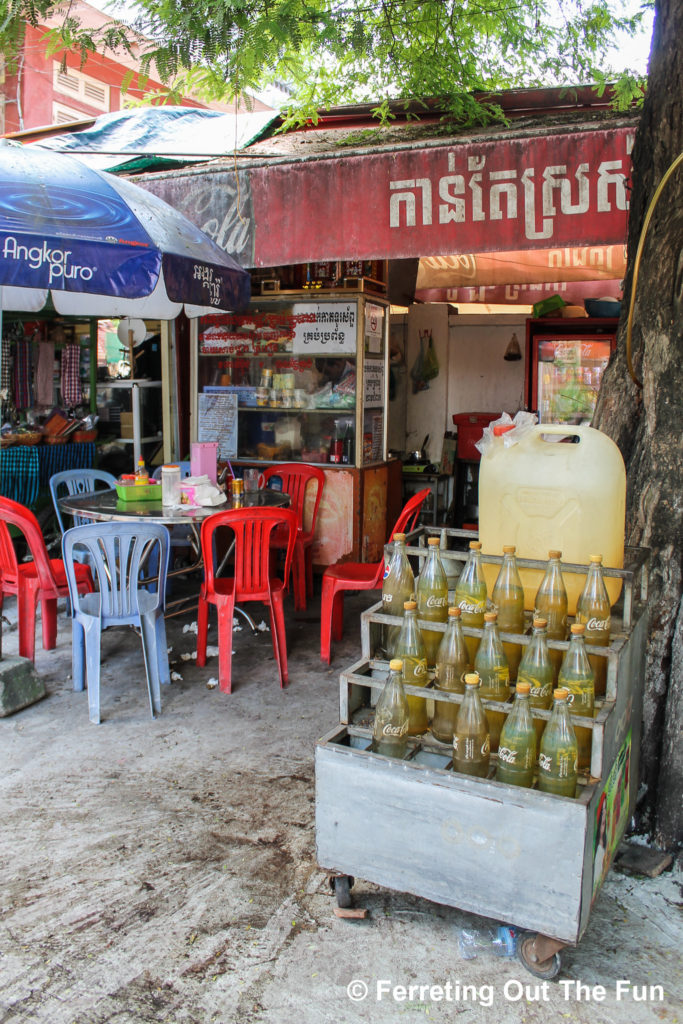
<point>531,859</point>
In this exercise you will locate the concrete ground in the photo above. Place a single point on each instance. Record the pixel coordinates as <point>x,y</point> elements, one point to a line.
<point>164,870</point>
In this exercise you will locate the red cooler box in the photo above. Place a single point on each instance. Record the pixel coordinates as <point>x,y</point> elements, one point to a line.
<point>470,429</point>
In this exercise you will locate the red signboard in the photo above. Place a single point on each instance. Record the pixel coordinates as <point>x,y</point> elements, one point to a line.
<point>521,193</point>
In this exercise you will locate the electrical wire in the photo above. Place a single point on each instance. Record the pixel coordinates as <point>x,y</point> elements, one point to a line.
<point>636,265</point>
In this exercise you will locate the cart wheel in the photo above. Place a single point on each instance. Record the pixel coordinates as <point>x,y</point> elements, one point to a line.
<point>341,886</point>
<point>545,969</point>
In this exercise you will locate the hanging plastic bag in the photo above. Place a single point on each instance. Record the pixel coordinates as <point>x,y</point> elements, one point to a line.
<point>417,372</point>
<point>520,427</point>
<point>430,363</point>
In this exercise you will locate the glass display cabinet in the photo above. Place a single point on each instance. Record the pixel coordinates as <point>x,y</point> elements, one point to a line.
<point>309,377</point>
<point>304,378</point>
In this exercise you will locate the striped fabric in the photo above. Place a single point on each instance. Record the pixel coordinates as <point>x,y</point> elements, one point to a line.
<point>20,473</point>
<point>72,394</point>
<point>23,374</point>
<point>56,457</point>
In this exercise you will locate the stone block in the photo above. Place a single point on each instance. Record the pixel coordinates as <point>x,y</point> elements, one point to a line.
<point>20,685</point>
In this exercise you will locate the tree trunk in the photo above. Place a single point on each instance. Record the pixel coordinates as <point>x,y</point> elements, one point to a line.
<point>647,423</point>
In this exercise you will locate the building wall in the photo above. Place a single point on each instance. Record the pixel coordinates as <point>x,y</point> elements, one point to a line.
<point>473,376</point>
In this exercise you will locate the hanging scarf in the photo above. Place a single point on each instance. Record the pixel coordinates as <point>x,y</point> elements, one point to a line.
<point>23,374</point>
<point>44,370</point>
<point>71,375</point>
<point>6,367</point>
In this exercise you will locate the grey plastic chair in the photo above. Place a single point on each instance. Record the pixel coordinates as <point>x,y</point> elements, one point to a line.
<point>116,553</point>
<point>77,481</point>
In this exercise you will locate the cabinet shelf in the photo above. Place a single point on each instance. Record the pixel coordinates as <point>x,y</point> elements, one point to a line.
<point>292,411</point>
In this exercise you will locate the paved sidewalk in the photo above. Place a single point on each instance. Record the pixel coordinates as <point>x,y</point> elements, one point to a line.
<point>164,870</point>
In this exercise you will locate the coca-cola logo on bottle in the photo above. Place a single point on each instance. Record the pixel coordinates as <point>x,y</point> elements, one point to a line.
<point>397,731</point>
<point>507,755</point>
<point>436,602</point>
<point>486,746</point>
<point>545,762</point>
<point>598,624</point>
<point>470,607</point>
<point>420,668</point>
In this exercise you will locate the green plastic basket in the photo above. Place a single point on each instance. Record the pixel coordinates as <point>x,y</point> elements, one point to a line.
<point>139,492</point>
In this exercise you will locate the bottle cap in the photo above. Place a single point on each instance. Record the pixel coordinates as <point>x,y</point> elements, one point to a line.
<point>490,616</point>
<point>540,623</point>
<point>560,694</point>
<point>577,629</point>
<point>399,536</point>
<point>509,549</point>
<point>596,558</point>
<point>472,679</point>
<point>433,540</point>
<point>475,545</point>
<point>554,554</point>
<point>454,612</point>
<point>524,689</point>
<point>396,665</point>
<point>410,606</point>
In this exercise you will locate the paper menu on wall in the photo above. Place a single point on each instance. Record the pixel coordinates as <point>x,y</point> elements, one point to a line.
<point>217,415</point>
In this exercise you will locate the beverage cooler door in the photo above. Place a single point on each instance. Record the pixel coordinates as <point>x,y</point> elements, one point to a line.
<point>566,376</point>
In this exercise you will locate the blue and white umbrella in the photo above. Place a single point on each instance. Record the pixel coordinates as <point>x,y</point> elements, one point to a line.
<point>101,246</point>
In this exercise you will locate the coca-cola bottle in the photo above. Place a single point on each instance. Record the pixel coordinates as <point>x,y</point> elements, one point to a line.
<point>508,600</point>
<point>536,670</point>
<point>492,667</point>
<point>397,587</point>
<point>517,746</point>
<point>471,747</point>
<point>594,611</point>
<point>557,768</point>
<point>451,666</point>
<point>470,595</point>
<point>410,649</point>
<point>551,605</point>
<point>576,676</point>
<point>432,598</point>
<point>390,730</point>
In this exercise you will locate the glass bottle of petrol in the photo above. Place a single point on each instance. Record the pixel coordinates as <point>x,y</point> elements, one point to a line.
<point>576,676</point>
<point>551,605</point>
<point>492,667</point>
<point>451,666</point>
<point>594,611</point>
<point>432,598</point>
<point>557,758</point>
<point>471,745</point>
<point>470,595</point>
<point>410,649</point>
<point>397,587</point>
<point>508,600</point>
<point>390,731</point>
<point>536,670</point>
<point>517,746</point>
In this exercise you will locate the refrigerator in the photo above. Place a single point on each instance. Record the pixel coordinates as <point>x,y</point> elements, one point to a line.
<point>565,374</point>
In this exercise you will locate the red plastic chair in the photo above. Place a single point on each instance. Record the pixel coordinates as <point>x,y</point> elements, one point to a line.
<point>253,529</point>
<point>43,579</point>
<point>357,576</point>
<point>296,476</point>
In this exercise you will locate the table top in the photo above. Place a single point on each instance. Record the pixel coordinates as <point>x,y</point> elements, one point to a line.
<point>107,506</point>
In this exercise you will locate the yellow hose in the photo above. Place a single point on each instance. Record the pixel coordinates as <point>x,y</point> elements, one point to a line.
<point>636,265</point>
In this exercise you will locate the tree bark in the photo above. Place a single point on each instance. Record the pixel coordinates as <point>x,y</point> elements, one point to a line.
<point>647,423</point>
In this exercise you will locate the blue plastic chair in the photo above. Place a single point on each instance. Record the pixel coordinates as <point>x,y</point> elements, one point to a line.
<point>116,553</point>
<point>77,481</point>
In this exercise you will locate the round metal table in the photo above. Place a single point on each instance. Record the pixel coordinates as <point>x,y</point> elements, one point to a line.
<point>106,506</point>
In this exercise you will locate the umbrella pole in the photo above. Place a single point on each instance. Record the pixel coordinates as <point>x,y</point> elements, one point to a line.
<point>131,357</point>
